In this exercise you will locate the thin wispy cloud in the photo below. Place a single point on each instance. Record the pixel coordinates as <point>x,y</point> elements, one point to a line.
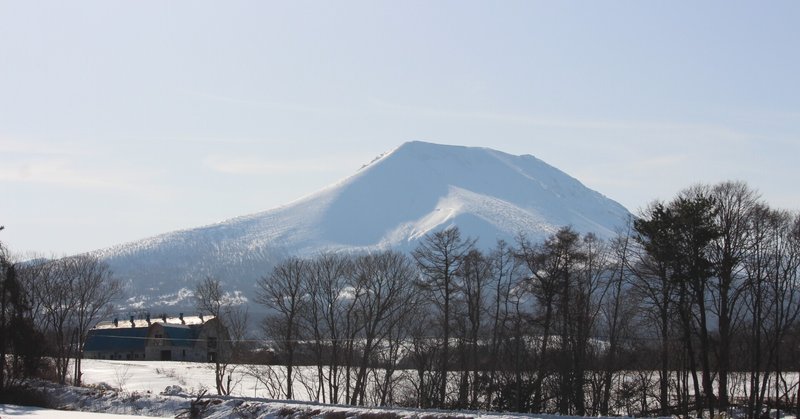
<point>68,174</point>
<point>659,163</point>
<point>266,104</point>
<point>56,172</point>
<point>240,165</point>
<point>45,148</point>
<point>700,131</point>
<point>200,140</point>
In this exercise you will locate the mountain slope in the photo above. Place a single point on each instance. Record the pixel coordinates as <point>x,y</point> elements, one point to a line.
<point>390,203</point>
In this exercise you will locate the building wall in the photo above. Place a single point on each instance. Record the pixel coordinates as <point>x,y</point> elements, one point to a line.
<point>203,348</point>
<point>213,341</point>
<point>210,342</point>
<point>126,355</point>
<point>159,347</point>
<point>174,353</point>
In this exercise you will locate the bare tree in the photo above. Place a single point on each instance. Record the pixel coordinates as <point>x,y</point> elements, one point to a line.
<point>757,263</point>
<point>330,307</point>
<point>423,352</point>
<point>476,274</point>
<point>269,377</point>
<point>389,297</point>
<point>229,326</point>
<point>95,289</point>
<point>565,274</point>
<point>53,291</point>
<point>439,257</point>
<point>617,314</point>
<point>504,271</point>
<point>282,291</point>
<point>25,324</point>
<point>735,203</point>
<point>73,293</point>
<point>547,267</point>
<point>782,292</point>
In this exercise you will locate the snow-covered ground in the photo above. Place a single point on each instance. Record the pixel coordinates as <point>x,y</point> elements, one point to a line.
<point>167,389</point>
<point>191,377</point>
<point>27,412</point>
<point>154,376</point>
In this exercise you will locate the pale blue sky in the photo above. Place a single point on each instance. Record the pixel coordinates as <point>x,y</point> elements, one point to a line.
<point>121,120</point>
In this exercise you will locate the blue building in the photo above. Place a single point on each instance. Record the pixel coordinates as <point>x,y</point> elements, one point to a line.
<point>197,339</point>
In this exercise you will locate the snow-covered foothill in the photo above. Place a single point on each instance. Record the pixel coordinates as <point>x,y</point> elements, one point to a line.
<point>392,202</point>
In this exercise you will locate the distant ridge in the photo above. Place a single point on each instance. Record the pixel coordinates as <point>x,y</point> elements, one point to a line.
<point>391,202</point>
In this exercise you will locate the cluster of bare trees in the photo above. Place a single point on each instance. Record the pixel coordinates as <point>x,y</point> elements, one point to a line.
<point>348,315</point>
<point>716,271</point>
<point>693,308</point>
<point>48,307</point>
<point>451,326</point>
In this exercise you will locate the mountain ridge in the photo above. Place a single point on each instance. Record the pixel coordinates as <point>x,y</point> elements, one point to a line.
<point>391,202</point>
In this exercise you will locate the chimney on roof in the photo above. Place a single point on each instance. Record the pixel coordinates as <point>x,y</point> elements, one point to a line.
<point>164,317</point>
<point>148,319</point>
<point>201,318</point>
<point>116,322</point>
<point>133,323</point>
<point>180,316</point>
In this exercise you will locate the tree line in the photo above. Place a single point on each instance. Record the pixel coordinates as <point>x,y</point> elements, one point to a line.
<point>47,308</point>
<point>691,308</point>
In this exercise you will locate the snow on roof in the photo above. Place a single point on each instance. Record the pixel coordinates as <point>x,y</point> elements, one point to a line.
<point>172,321</point>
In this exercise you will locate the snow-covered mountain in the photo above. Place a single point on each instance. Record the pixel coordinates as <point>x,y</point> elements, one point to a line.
<point>390,203</point>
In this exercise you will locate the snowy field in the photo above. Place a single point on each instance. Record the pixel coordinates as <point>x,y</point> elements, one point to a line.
<point>154,376</point>
<point>191,377</point>
<point>167,388</point>
<point>125,389</point>
<point>25,412</point>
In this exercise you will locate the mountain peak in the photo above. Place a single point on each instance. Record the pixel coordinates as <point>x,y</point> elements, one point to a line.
<point>392,202</point>
<point>426,147</point>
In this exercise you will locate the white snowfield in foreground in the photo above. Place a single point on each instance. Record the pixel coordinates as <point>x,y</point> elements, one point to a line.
<point>166,389</point>
<point>26,412</point>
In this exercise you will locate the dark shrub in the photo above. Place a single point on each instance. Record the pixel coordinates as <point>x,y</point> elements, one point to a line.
<point>24,395</point>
